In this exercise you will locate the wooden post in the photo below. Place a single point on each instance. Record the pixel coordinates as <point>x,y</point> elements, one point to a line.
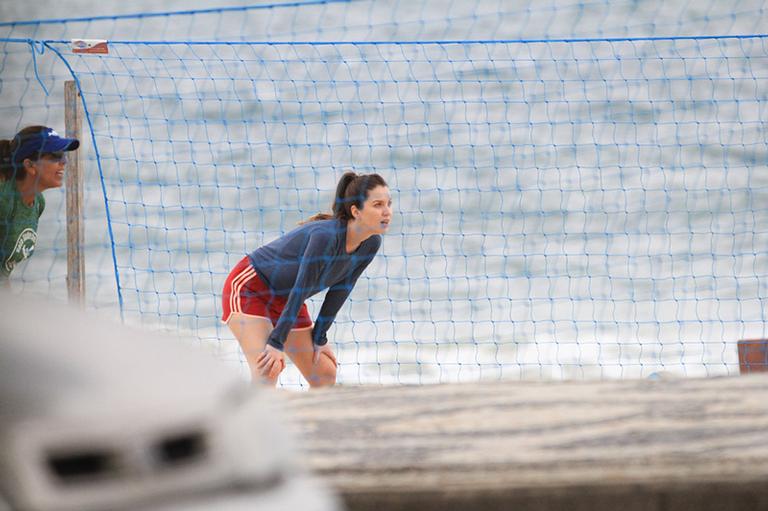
<point>753,356</point>
<point>74,182</point>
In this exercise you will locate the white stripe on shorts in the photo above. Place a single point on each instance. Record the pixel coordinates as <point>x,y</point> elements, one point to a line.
<point>237,284</point>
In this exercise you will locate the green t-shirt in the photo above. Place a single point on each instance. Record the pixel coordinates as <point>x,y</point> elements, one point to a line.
<point>18,226</point>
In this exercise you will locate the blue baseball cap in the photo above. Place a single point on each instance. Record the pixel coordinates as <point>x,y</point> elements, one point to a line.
<point>46,141</point>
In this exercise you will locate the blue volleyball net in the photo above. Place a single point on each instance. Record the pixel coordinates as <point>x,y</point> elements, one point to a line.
<point>412,20</point>
<point>564,207</point>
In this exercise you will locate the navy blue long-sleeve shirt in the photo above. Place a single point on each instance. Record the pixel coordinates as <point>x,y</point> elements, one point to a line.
<point>305,261</point>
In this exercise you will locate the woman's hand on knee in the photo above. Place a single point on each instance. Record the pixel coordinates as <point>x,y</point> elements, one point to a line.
<point>270,362</point>
<point>325,349</point>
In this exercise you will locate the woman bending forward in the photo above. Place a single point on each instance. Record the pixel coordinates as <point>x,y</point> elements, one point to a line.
<point>264,294</point>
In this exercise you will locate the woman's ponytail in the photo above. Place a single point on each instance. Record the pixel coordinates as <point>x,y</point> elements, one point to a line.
<point>6,161</point>
<point>341,198</point>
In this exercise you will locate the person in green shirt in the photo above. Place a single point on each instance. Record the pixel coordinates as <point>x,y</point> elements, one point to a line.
<point>31,162</point>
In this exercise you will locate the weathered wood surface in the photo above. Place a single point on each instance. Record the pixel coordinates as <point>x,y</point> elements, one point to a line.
<point>74,177</point>
<point>674,444</point>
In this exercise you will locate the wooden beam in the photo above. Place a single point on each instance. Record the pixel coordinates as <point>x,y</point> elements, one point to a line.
<point>671,444</point>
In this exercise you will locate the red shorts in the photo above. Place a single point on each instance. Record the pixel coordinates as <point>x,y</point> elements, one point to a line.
<point>246,293</point>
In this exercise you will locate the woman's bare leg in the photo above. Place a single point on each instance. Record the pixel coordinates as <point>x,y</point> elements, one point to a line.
<point>252,333</point>
<point>298,346</point>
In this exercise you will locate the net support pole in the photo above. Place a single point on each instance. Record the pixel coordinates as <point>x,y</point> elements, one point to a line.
<point>753,356</point>
<point>73,116</point>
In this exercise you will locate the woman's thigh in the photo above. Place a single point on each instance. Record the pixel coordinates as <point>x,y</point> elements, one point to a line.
<point>298,346</point>
<point>252,333</point>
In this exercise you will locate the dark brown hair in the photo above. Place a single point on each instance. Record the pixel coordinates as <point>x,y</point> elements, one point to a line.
<point>9,166</point>
<point>352,190</point>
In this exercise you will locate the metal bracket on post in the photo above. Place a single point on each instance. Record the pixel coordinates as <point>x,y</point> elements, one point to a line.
<point>74,195</point>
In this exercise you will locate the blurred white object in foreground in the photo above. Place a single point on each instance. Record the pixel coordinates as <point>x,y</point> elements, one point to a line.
<point>95,415</point>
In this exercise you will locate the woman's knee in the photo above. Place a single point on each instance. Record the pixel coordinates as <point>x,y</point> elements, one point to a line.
<point>324,372</point>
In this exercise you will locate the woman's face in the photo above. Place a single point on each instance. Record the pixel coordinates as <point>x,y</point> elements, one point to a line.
<point>377,211</point>
<point>49,171</point>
